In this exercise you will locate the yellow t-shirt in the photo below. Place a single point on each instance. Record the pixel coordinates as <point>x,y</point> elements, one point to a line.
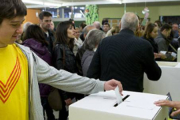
<point>13,84</point>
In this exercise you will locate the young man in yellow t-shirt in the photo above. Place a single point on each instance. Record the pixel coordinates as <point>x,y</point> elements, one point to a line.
<point>21,70</point>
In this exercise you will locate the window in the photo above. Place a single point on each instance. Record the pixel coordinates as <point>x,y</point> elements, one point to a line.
<point>170,19</point>
<point>77,12</point>
<point>65,12</point>
<point>53,11</point>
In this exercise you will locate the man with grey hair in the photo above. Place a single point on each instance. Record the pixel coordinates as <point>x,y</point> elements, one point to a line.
<point>130,21</point>
<point>125,57</point>
<point>26,25</point>
<point>97,25</point>
<point>87,29</point>
<point>21,70</point>
<point>82,49</point>
<point>91,43</point>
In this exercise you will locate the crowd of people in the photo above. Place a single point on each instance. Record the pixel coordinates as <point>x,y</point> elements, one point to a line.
<point>22,67</point>
<point>39,58</point>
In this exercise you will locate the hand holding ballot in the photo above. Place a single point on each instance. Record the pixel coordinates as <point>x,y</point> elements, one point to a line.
<point>173,104</point>
<point>165,55</point>
<point>112,84</point>
<point>159,55</point>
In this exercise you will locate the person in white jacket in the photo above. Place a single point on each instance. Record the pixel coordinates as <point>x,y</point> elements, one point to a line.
<point>21,70</point>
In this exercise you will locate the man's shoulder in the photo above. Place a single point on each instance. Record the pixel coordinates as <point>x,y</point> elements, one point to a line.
<point>159,38</point>
<point>137,40</point>
<point>110,38</point>
<point>140,39</point>
<point>140,43</point>
<point>51,33</point>
<point>23,48</point>
<point>127,38</point>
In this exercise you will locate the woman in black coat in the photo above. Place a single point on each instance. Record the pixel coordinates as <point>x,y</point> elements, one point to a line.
<point>64,58</point>
<point>150,33</point>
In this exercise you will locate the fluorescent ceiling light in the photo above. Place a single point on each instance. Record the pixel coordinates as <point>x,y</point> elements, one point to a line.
<point>42,3</point>
<point>116,1</point>
<point>33,2</point>
<point>52,4</point>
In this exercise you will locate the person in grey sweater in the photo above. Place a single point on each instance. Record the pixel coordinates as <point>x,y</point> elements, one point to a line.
<point>91,43</point>
<point>21,99</point>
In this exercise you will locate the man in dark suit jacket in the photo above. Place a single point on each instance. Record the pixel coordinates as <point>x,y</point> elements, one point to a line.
<point>125,57</point>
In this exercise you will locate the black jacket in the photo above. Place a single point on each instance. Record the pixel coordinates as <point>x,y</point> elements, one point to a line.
<point>50,39</point>
<point>153,43</point>
<point>124,57</point>
<point>70,63</point>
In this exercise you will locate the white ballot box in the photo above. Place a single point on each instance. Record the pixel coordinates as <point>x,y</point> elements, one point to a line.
<point>101,106</point>
<point>169,81</point>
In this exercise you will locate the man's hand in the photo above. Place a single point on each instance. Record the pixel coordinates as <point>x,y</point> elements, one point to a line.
<point>156,55</point>
<point>159,55</point>
<point>173,104</point>
<point>112,84</point>
<point>68,101</point>
<point>162,56</point>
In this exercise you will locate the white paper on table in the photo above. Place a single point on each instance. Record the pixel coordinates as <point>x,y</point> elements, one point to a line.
<point>118,95</point>
<point>174,54</point>
<point>163,52</point>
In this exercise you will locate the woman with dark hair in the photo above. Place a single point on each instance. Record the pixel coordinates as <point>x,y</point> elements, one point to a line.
<point>150,33</point>
<point>64,58</point>
<point>35,40</point>
<point>35,33</point>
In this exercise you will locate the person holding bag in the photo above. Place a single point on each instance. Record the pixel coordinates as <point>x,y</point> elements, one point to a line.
<point>65,59</point>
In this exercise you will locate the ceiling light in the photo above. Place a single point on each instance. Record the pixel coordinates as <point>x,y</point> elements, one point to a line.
<point>116,1</point>
<point>52,4</point>
<point>42,3</point>
<point>33,2</point>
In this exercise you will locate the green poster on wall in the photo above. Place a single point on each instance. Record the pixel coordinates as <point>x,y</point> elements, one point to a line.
<point>91,13</point>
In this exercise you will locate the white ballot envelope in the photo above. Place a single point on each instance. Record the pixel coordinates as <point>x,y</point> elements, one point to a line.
<point>118,95</point>
<point>163,52</point>
<point>174,54</point>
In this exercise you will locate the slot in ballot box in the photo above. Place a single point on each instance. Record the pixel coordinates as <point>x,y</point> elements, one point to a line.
<point>101,106</point>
